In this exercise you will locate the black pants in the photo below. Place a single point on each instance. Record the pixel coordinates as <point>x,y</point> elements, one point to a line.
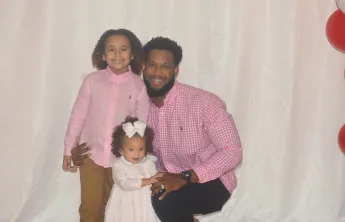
<point>197,198</point>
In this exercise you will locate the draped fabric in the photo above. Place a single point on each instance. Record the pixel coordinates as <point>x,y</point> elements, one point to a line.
<point>268,59</point>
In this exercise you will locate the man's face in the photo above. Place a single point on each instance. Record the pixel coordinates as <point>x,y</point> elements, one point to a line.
<point>159,72</point>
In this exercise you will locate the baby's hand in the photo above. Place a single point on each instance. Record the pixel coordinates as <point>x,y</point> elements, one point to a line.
<point>66,165</point>
<point>159,174</point>
<point>153,179</point>
<point>146,182</point>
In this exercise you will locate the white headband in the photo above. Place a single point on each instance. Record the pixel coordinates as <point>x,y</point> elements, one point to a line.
<point>131,129</point>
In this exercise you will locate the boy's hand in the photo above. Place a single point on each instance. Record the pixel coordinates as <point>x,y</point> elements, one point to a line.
<point>66,165</point>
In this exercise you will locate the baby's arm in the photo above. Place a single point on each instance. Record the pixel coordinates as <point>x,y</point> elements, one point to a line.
<point>148,181</point>
<point>125,183</point>
<point>153,173</point>
<point>78,116</point>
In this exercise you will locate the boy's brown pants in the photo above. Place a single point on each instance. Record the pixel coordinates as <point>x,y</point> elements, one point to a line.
<point>96,183</point>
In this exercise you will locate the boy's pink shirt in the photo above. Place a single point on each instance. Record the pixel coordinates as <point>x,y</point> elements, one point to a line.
<point>103,102</point>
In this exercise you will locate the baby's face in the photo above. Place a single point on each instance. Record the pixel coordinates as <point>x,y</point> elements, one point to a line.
<point>133,149</point>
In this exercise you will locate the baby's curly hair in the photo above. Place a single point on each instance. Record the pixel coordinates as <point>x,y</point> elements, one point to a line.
<point>119,135</point>
<point>162,43</point>
<point>136,47</point>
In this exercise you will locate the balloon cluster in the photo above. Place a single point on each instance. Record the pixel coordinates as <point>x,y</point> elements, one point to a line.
<point>335,28</point>
<point>335,31</point>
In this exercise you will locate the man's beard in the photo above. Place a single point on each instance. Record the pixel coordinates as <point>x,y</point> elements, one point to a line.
<point>153,93</point>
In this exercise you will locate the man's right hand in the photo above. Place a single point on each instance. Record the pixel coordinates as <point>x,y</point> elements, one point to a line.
<point>79,154</point>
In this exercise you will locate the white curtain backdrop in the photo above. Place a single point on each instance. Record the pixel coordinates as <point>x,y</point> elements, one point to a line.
<point>268,59</point>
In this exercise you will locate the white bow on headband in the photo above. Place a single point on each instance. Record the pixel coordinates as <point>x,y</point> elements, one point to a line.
<point>137,127</point>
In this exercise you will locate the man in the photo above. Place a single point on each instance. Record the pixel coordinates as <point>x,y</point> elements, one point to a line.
<point>196,140</point>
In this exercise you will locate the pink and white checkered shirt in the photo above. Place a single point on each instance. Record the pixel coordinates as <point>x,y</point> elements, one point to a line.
<point>193,130</point>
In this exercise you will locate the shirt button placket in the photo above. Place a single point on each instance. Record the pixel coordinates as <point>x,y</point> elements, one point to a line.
<point>110,119</point>
<point>162,133</point>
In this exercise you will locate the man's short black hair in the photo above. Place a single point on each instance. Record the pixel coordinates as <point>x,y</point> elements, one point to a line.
<point>162,43</point>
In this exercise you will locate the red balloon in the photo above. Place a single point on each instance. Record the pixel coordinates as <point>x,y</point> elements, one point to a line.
<point>341,139</point>
<point>335,30</point>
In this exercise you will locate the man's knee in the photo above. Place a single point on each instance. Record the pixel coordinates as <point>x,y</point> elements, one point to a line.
<point>172,208</point>
<point>169,202</point>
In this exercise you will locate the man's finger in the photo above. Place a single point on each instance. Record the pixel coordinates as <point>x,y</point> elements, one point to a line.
<point>156,188</point>
<point>161,179</point>
<point>78,163</point>
<point>78,148</point>
<point>81,158</point>
<point>86,156</point>
<point>155,185</point>
<point>82,151</point>
<point>85,150</point>
<point>159,174</point>
<point>164,194</point>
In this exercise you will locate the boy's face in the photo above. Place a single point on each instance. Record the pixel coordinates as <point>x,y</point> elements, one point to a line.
<point>118,53</point>
<point>159,69</point>
<point>133,149</point>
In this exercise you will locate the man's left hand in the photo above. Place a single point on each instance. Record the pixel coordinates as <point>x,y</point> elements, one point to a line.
<point>170,182</point>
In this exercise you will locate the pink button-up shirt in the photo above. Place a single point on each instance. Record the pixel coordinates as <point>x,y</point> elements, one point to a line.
<point>103,102</point>
<point>193,130</point>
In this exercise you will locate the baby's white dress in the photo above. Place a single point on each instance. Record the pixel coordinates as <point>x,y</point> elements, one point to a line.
<point>129,202</point>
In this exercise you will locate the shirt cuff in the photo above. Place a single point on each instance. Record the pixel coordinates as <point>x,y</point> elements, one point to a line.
<point>202,174</point>
<point>67,151</point>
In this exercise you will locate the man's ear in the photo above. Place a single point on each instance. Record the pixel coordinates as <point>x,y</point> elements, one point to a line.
<point>143,67</point>
<point>176,70</point>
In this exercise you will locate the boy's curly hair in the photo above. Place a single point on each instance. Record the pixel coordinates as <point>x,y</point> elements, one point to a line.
<point>119,135</point>
<point>162,43</point>
<point>136,47</point>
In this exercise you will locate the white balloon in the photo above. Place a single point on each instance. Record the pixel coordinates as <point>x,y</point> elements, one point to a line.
<point>341,5</point>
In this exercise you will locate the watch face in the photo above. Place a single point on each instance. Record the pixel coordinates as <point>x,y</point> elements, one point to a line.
<point>186,175</point>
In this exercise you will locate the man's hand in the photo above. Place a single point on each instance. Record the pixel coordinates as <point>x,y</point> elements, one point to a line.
<point>170,182</point>
<point>79,154</point>
<point>159,174</point>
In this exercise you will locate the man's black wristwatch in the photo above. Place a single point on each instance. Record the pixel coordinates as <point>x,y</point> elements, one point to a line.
<point>187,175</point>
